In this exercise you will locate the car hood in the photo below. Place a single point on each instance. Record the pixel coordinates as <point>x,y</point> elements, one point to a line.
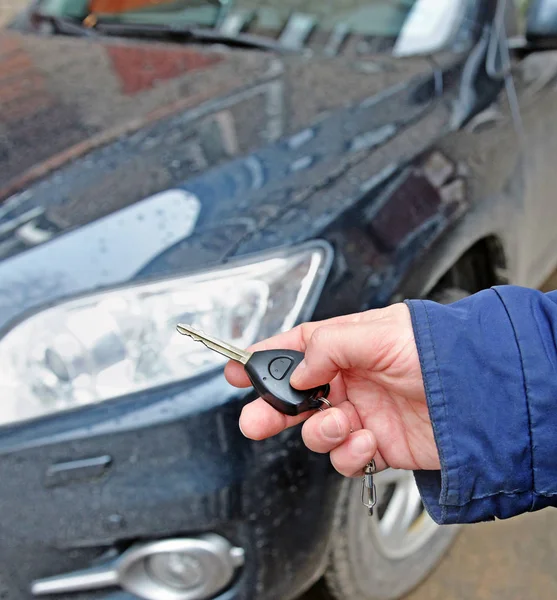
<point>122,160</point>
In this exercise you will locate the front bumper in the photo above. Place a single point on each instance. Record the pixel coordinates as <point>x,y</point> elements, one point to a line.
<point>172,462</point>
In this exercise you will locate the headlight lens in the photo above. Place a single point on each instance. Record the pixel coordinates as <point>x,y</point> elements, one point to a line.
<point>113,343</point>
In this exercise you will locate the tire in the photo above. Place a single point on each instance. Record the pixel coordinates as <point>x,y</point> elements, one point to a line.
<point>385,556</point>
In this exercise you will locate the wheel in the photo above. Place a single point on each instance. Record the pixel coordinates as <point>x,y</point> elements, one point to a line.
<point>385,556</point>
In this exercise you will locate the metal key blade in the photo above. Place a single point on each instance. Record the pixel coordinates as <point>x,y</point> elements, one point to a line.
<point>212,343</point>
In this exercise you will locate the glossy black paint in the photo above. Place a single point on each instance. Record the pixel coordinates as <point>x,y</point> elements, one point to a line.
<point>178,466</point>
<point>402,165</point>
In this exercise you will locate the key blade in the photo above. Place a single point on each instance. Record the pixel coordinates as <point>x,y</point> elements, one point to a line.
<point>214,344</point>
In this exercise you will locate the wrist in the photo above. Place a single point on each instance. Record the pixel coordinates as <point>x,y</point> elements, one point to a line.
<point>471,382</point>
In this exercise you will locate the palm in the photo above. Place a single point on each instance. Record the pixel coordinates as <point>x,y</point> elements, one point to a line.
<point>400,424</point>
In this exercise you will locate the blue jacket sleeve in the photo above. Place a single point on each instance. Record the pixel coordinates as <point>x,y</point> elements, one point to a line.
<point>489,364</point>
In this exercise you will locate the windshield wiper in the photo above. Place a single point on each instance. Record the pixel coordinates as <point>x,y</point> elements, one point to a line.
<point>205,35</point>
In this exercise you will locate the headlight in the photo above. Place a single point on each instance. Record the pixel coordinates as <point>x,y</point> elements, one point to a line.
<point>102,346</point>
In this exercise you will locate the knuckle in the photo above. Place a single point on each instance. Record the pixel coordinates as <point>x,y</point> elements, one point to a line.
<point>330,346</point>
<point>303,333</point>
<point>323,336</point>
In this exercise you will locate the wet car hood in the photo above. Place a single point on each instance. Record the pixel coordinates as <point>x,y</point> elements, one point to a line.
<point>121,160</point>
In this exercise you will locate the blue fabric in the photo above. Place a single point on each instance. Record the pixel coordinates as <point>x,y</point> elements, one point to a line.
<point>489,364</point>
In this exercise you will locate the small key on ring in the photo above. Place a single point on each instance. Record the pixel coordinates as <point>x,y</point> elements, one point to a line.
<point>269,372</point>
<point>369,491</point>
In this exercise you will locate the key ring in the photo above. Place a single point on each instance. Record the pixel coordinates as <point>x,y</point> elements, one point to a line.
<point>327,405</point>
<point>369,491</point>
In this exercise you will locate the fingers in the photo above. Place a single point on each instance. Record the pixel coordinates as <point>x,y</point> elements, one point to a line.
<point>235,375</point>
<point>323,432</point>
<point>326,430</point>
<point>330,432</point>
<point>294,339</point>
<point>260,420</point>
<point>329,346</point>
<point>330,349</point>
<point>289,340</point>
<point>351,457</point>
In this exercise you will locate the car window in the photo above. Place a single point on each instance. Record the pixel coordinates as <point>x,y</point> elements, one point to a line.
<point>384,17</point>
<point>411,26</point>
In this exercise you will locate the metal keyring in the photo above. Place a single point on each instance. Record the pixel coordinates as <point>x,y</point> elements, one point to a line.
<point>369,491</point>
<point>324,408</point>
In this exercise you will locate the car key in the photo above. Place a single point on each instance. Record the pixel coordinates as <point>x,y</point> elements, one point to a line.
<point>269,372</point>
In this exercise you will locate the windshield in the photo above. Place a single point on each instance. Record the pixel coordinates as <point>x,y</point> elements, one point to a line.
<point>291,22</point>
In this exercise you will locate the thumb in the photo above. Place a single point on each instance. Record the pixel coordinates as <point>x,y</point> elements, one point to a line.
<point>333,348</point>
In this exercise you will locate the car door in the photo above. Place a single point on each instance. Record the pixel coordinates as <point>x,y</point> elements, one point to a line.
<point>535,79</point>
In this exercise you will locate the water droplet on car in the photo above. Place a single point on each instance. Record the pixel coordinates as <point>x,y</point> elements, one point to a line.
<point>115,522</point>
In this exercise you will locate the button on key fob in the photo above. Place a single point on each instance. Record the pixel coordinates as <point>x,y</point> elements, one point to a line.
<point>269,372</point>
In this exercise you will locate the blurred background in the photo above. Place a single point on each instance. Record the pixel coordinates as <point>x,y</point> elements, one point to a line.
<point>9,8</point>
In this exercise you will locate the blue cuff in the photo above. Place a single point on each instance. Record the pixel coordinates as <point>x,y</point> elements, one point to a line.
<point>475,389</point>
<point>533,315</point>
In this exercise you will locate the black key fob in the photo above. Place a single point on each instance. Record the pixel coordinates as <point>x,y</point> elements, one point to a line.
<point>269,372</point>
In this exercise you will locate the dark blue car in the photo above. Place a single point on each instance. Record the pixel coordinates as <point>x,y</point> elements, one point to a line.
<point>241,166</point>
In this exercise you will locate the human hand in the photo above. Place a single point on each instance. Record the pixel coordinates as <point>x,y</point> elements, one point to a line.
<point>377,391</point>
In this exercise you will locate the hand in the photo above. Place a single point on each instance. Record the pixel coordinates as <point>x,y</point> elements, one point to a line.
<point>371,361</point>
